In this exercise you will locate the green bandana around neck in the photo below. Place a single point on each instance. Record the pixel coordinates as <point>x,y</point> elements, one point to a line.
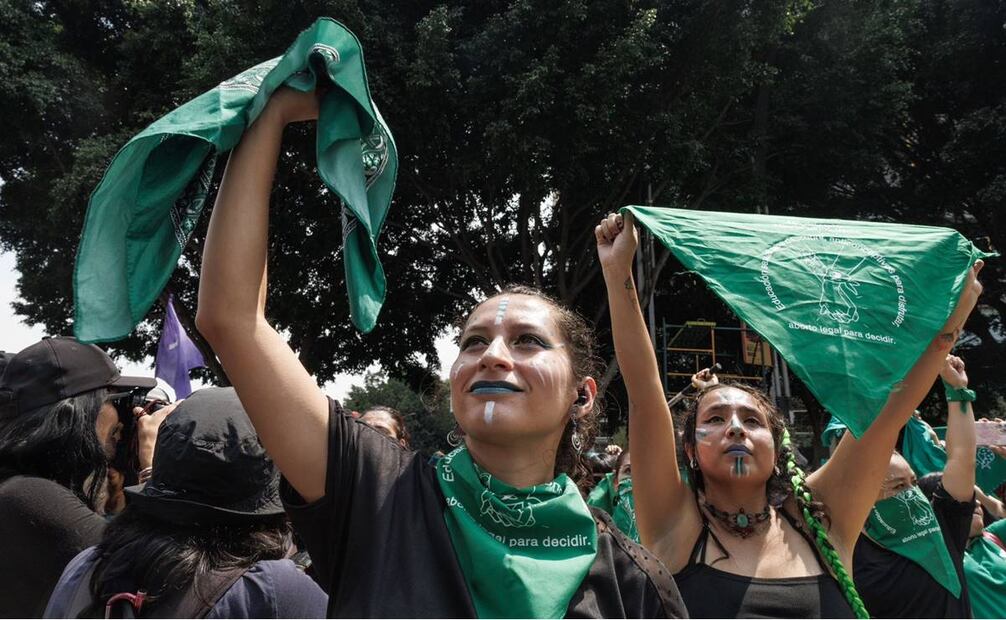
<point>906,524</point>
<point>523,552</point>
<point>985,572</point>
<point>624,513</point>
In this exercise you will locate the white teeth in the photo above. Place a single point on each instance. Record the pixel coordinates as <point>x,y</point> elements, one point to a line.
<point>488,415</point>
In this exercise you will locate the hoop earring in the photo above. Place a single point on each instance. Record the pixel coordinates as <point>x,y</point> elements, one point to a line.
<point>574,438</point>
<point>693,464</point>
<point>454,437</point>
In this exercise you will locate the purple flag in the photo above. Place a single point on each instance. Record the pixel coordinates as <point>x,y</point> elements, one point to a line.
<point>176,354</point>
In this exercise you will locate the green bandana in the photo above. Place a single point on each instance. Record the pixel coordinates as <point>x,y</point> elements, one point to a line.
<point>907,525</point>
<point>149,201</point>
<point>850,305</point>
<point>922,453</point>
<point>603,494</point>
<point>523,552</point>
<point>624,514</point>
<point>985,571</point>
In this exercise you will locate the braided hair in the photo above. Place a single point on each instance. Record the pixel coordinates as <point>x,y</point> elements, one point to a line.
<point>788,480</point>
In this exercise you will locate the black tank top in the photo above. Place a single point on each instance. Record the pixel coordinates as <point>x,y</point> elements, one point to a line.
<point>711,593</point>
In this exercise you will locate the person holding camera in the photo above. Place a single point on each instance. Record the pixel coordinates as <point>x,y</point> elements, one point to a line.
<point>60,426</point>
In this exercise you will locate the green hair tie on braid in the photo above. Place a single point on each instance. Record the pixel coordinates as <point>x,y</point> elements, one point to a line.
<point>804,499</point>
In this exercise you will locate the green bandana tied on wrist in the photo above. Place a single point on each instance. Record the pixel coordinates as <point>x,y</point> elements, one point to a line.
<point>985,571</point>
<point>523,552</point>
<point>906,524</point>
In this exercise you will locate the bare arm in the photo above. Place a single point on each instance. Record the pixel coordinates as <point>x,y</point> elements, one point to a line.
<point>663,501</point>
<point>849,482</point>
<point>991,505</point>
<point>284,403</point>
<point>959,473</point>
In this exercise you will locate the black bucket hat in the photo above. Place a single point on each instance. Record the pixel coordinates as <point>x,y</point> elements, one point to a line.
<point>57,368</point>
<point>209,466</point>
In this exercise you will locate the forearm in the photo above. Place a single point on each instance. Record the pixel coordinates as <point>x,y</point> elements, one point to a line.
<point>656,479</point>
<point>959,473</point>
<point>232,287</point>
<point>991,505</point>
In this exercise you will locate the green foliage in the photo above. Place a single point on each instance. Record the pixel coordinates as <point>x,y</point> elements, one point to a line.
<point>427,414</point>
<point>519,124</point>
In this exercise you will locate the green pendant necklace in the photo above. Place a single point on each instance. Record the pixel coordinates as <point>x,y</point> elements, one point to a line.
<point>739,523</point>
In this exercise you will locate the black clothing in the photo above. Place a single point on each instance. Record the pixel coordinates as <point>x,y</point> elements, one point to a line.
<point>43,525</point>
<point>381,548</point>
<point>892,586</point>
<point>209,466</point>
<point>712,593</point>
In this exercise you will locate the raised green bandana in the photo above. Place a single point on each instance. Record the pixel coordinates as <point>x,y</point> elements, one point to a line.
<point>985,572</point>
<point>523,552</point>
<point>142,213</point>
<point>906,524</point>
<point>990,468</point>
<point>850,305</point>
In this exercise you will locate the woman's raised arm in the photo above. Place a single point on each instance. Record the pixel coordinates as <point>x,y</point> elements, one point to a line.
<point>284,403</point>
<point>664,506</point>
<point>849,482</point>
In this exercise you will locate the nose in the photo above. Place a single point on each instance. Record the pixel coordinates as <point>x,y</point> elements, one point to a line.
<point>496,355</point>
<point>736,430</point>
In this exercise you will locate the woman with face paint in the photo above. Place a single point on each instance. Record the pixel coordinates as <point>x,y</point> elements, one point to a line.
<point>909,562</point>
<point>498,527</point>
<point>751,536</point>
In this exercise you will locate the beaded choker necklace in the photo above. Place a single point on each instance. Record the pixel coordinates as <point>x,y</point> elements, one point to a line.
<point>738,523</point>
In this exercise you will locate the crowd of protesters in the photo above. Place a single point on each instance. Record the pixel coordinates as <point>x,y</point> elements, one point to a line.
<point>117,503</point>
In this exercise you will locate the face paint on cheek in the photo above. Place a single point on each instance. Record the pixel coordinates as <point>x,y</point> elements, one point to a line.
<point>501,310</point>
<point>488,414</point>
<point>702,436</point>
<point>458,365</point>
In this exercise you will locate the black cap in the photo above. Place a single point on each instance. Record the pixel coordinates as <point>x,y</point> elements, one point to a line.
<point>57,368</point>
<point>209,466</point>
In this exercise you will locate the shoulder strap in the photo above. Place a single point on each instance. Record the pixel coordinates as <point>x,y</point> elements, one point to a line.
<point>202,596</point>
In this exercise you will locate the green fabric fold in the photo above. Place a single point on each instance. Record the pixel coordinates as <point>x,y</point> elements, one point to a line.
<point>906,524</point>
<point>985,572</point>
<point>144,210</point>
<point>523,552</point>
<point>850,305</point>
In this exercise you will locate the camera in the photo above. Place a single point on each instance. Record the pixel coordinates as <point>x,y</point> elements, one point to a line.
<point>127,458</point>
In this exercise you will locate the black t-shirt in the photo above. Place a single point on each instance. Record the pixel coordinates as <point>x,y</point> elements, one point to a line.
<point>43,525</point>
<point>892,586</point>
<point>380,545</point>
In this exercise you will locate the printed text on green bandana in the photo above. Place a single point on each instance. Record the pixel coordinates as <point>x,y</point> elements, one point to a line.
<point>506,539</point>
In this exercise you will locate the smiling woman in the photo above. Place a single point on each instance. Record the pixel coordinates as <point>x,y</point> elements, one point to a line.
<point>498,527</point>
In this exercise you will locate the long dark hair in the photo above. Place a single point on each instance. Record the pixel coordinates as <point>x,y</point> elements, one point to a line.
<point>581,346</point>
<point>141,552</point>
<point>58,442</point>
<point>787,479</point>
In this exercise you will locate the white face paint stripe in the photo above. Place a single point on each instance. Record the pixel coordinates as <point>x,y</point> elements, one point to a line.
<point>488,415</point>
<point>501,310</point>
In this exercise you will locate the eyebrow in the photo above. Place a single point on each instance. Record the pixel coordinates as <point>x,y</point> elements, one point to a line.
<point>743,408</point>
<point>523,326</point>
